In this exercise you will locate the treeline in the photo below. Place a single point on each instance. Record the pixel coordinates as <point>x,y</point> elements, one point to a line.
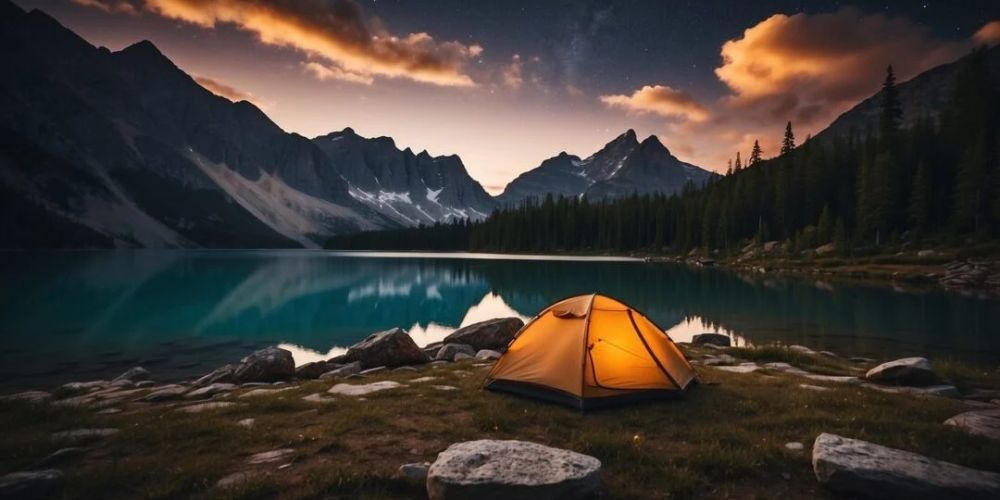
<point>939,178</point>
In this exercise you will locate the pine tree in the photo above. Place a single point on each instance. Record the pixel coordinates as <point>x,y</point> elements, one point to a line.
<point>755,154</point>
<point>788,142</point>
<point>738,165</point>
<point>824,227</point>
<point>891,111</point>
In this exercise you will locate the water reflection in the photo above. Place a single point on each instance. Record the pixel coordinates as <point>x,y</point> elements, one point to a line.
<point>88,314</point>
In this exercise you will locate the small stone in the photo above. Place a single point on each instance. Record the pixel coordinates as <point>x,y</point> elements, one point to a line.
<point>372,370</point>
<point>794,446</point>
<point>247,423</point>
<point>318,398</point>
<point>263,392</point>
<point>270,456</point>
<point>81,435</point>
<point>166,393</point>
<point>415,471</point>
<point>816,388</point>
<point>29,396</point>
<point>31,485</point>
<point>362,389</point>
<point>741,368</point>
<point>210,390</point>
<point>488,354</point>
<point>801,349</point>
<point>109,411</point>
<point>463,356</point>
<point>445,387</point>
<point>344,371</point>
<point>424,379</point>
<point>234,479</point>
<point>201,407</point>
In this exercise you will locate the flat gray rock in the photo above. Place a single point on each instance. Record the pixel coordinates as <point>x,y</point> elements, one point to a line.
<point>740,368</point>
<point>270,456</point>
<point>247,423</point>
<point>31,485</point>
<point>135,374</point>
<point>29,396</point>
<point>905,371</point>
<point>235,479</point>
<point>445,387</point>
<point>343,371</point>
<point>449,351</point>
<point>488,355</point>
<point>461,356</point>
<point>166,393</point>
<point>947,391</point>
<point>816,388</point>
<point>424,379</point>
<point>489,469</point>
<point>263,392</point>
<point>210,390</point>
<point>81,435</point>
<point>984,423</point>
<point>362,389</point>
<point>864,469</point>
<point>318,398</point>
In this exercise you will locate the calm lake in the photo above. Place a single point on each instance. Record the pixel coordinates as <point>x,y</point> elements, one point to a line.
<point>88,315</point>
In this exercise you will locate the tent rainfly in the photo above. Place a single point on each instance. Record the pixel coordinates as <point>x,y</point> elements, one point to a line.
<point>591,351</point>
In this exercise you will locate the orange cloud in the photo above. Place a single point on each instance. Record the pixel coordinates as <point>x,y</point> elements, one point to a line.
<point>989,34</point>
<point>109,6</point>
<point>323,72</point>
<point>803,67</point>
<point>661,100</point>
<point>337,33</point>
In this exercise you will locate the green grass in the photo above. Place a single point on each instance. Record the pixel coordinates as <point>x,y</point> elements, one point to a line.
<point>724,438</point>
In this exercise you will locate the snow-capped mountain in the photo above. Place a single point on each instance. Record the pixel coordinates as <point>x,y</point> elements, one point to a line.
<point>123,148</point>
<point>406,187</point>
<point>622,167</point>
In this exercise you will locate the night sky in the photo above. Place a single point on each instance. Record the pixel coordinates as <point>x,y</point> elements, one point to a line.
<point>508,84</point>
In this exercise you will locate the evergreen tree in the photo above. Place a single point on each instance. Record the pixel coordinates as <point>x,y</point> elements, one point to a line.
<point>891,111</point>
<point>755,154</point>
<point>737,166</point>
<point>788,142</point>
<point>920,198</point>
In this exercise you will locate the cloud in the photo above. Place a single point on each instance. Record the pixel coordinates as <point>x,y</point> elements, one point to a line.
<point>228,91</point>
<point>989,34</point>
<point>337,33</point>
<point>803,67</point>
<point>109,6</point>
<point>661,100</point>
<point>323,72</point>
<point>512,74</point>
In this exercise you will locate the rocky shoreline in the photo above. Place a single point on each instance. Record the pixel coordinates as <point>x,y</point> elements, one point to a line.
<point>390,363</point>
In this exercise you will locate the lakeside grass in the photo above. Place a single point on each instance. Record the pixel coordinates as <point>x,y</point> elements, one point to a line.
<point>724,438</point>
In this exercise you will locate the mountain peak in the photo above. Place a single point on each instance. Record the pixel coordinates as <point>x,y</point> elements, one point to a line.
<point>143,48</point>
<point>348,131</point>
<point>652,142</point>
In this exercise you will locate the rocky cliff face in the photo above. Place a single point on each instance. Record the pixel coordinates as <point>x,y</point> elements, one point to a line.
<point>622,167</point>
<point>408,188</point>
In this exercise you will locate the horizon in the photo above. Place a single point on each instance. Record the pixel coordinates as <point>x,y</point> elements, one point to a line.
<point>505,105</point>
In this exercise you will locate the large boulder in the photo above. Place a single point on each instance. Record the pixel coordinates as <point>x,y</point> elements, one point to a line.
<point>488,470</point>
<point>490,334</point>
<point>390,348</point>
<point>31,485</point>
<point>711,338</point>
<point>862,469</point>
<point>448,351</point>
<point>905,371</point>
<point>270,364</point>
<point>984,423</point>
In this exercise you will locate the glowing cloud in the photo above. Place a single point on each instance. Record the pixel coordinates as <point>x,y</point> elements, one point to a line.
<point>660,100</point>
<point>109,6</point>
<point>322,72</point>
<point>512,75</point>
<point>353,48</point>
<point>989,34</point>
<point>228,91</point>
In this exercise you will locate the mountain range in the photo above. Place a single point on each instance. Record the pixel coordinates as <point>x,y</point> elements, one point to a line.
<point>124,149</point>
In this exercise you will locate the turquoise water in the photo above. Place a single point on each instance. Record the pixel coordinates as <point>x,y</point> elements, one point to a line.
<point>85,315</point>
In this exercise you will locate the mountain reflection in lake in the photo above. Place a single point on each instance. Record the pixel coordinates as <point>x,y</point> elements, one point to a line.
<point>79,315</point>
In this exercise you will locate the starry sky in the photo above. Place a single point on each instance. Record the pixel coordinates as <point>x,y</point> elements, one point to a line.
<point>507,84</point>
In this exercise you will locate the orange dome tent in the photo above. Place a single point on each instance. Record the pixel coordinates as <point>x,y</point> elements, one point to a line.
<point>590,351</point>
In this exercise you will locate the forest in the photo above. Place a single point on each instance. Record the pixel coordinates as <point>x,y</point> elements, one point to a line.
<point>937,180</point>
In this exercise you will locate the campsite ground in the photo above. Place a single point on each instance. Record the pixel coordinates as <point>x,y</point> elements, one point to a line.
<point>725,438</point>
